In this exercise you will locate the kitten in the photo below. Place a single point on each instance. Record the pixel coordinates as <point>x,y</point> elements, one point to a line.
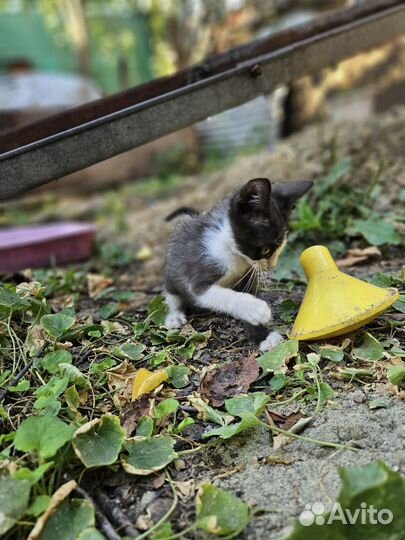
<point>213,260</point>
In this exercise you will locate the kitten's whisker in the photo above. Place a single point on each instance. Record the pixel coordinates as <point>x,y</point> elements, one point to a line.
<point>243,277</point>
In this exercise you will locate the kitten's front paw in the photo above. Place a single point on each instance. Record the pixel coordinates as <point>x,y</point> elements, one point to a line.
<point>273,339</point>
<point>176,319</point>
<point>258,312</point>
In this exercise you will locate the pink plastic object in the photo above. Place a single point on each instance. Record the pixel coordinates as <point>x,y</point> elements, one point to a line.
<point>43,245</point>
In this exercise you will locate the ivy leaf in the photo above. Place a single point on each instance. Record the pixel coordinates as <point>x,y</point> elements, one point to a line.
<point>147,455</point>
<point>51,361</point>
<point>14,496</point>
<point>74,375</point>
<point>219,512</point>
<point>253,403</point>
<point>99,442</point>
<point>206,412</point>
<point>70,520</point>
<point>178,376</point>
<point>42,434</point>
<point>166,408</point>
<point>226,432</point>
<point>396,374</point>
<point>371,349</point>
<point>157,310</point>
<point>33,477</point>
<point>129,350</point>
<point>144,427</point>
<point>275,359</point>
<point>56,325</point>
<point>39,505</point>
<point>376,232</point>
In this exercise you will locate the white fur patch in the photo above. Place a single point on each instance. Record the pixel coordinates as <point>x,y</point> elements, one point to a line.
<point>221,248</point>
<point>273,339</point>
<point>242,306</point>
<point>175,318</point>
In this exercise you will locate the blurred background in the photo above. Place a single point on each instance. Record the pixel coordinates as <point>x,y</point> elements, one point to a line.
<point>57,54</point>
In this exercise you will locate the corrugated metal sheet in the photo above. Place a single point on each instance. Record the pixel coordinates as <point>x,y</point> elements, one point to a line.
<point>248,126</point>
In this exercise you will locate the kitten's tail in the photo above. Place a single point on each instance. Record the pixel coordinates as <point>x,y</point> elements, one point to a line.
<point>184,210</point>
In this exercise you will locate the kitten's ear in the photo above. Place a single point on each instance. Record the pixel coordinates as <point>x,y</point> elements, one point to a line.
<point>287,194</point>
<point>254,197</point>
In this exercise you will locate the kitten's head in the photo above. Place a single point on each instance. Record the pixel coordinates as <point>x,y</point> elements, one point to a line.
<point>259,217</point>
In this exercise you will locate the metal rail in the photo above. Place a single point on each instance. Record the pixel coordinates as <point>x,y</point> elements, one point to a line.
<point>67,142</point>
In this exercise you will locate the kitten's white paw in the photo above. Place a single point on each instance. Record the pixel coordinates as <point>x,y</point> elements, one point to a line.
<point>273,339</point>
<point>257,312</point>
<point>175,319</point>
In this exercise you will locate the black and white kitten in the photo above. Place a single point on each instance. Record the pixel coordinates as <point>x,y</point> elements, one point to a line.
<point>213,260</point>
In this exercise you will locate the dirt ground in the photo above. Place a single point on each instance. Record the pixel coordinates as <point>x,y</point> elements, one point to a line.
<point>280,482</point>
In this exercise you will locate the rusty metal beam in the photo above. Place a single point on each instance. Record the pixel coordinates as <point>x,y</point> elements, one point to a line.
<point>67,143</point>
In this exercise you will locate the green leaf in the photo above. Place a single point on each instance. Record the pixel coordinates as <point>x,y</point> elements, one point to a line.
<point>275,359</point>
<point>70,519</point>
<point>147,455</point>
<point>372,486</point>
<point>130,350</point>
<point>253,403</point>
<point>91,534</point>
<point>33,477</point>
<point>99,442</point>
<point>279,381</point>
<point>219,512</point>
<point>47,395</point>
<point>396,374</point>
<point>226,432</point>
<point>329,352</point>
<point>109,310</point>
<point>288,310</point>
<point>74,375</point>
<point>14,496</point>
<point>157,311</point>
<point>400,304</point>
<point>56,325</point>
<point>51,361</point>
<point>144,427</point>
<point>39,505</point>
<point>164,532</point>
<point>206,412</point>
<point>371,349</point>
<point>178,375</point>
<point>326,392</point>
<point>22,386</point>
<point>166,408</point>
<point>376,232</point>
<point>42,434</point>
<point>184,424</point>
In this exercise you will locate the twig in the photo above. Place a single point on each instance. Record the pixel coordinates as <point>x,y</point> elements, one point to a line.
<point>115,514</point>
<point>26,368</point>
<point>105,524</point>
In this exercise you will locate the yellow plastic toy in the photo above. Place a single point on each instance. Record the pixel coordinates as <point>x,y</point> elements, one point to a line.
<point>335,303</point>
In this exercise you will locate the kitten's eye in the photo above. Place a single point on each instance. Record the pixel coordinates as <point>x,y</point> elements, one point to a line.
<point>266,251</point>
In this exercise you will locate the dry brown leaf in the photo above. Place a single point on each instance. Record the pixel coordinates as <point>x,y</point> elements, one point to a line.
<point>133,412</point>
<point>120,381</point>
<point>229,380</point>
<point>186,489</point>
<point>58,497</point>
<point>357,256</point>
<point>159,480</point>
<point>96,283</point>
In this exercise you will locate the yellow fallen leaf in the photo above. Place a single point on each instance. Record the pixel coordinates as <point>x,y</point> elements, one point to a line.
<point>143,254</point>
<point>146,381</point>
